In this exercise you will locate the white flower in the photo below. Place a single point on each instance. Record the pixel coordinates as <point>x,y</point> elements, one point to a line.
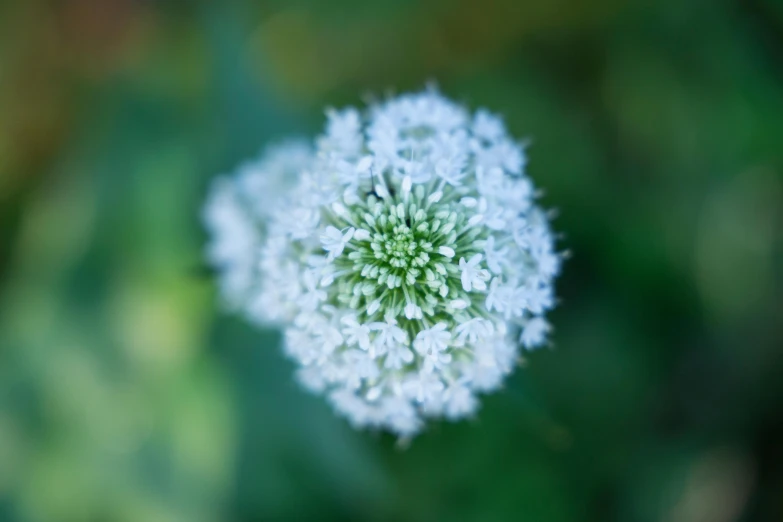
<point>400,416</point>
<point>300,345</point>
<point>537,295</point>
<point>431,344</point>
<point>473,330</point>
<point>413,311</point>
<point>328,337</point>
<point>301,222</point>
<point>311,378</point>
<point>343,133</point>
<point>417,172</point>
<point>503,153</point>
<point>362,364</point>
<point>459,400</point>
<point>398,356</point>
<point>355,333</point>
<point>405,257</point>
<point>534,332</point>
<point>423,387</point>
<point>473,276</point>
<point>350,173</point>
<point>311,296</point>
<point>449,156</point>
<point>506,298</point>
<point>487,126</point>
<point>495,258</point>
<point>388,334</point>
<point>334,241</point>
<point>356,410</point>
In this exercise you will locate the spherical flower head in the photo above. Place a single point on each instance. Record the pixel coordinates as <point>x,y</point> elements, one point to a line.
<point>407,260</point>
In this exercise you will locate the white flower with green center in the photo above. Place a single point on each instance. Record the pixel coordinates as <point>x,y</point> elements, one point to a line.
<point>405,258</point>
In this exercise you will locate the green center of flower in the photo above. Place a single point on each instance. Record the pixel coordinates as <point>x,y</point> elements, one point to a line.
<point>396,253</point>
<point>408,256</point>
<point>400,248</point>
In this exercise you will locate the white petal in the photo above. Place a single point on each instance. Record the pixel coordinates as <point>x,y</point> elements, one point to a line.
<point>466,281</point>
<point>330,236</point>
<point>406,186</point>
<point>361,235</point>
<point>446,251</point>
<point>339,209</point>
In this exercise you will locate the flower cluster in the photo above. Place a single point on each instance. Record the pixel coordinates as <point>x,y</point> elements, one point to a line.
<point>404,256</point>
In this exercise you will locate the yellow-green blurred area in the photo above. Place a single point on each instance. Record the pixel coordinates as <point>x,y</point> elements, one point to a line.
<point>126,394</point>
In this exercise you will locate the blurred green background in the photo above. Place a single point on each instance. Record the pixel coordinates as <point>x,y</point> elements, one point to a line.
<point>657,133</point>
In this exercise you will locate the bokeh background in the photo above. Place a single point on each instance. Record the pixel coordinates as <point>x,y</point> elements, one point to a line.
<point>657,133</point>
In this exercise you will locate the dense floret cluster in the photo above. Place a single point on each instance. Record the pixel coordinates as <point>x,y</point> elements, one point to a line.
<point>404,256</point>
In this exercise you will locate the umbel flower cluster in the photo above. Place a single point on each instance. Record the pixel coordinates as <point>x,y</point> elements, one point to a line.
<point>404,255</point>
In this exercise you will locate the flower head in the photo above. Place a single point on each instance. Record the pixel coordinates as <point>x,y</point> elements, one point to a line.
<point>405,258</point>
